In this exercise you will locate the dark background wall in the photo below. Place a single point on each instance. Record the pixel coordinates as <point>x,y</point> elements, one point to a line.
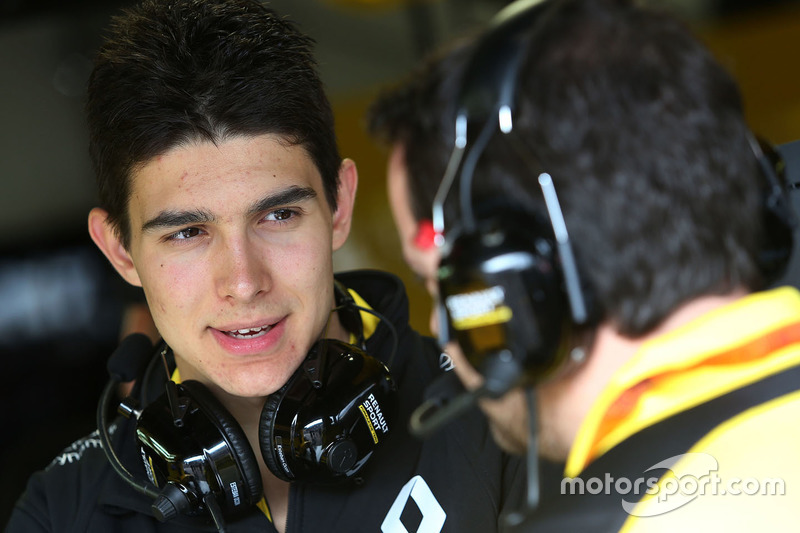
<point>61,303</point>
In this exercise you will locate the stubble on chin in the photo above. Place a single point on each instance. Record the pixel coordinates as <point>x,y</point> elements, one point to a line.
<point>508,421</point>
<point>554,445</point>
<point>552,448</point>
<point>509,440</point>
<point>509,424</point>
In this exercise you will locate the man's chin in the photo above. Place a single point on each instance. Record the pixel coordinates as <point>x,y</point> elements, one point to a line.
<point>511,440</point>
<point>514,440</point>
<point>552,449</point>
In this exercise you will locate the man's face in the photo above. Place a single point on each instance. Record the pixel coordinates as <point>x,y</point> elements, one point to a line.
<point>423,261</point>
<point>233,246</point>
<point>507,415</point>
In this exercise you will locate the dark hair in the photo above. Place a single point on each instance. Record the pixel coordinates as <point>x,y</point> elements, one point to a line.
<point>644,135</point>
<point>176,71</point>
<point>415,113</point>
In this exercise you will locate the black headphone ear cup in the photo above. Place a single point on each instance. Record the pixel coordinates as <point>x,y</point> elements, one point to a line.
<point>234,435</point>
<point>325,423</point>
<point>265,433</point>
<point>779,220</point>
<point>503,291</point>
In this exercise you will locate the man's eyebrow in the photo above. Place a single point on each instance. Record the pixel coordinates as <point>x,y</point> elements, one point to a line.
<point>291,195</point>
<point>173,219</point>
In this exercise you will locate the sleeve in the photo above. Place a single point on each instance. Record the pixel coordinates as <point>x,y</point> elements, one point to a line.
<point>30,513</point>
<point>61,497</point>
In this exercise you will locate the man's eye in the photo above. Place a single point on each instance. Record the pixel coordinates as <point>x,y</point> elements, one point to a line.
<point>281,215</point>
<point>184,234</point>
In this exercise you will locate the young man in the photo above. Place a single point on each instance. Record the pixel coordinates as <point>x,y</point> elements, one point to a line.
<point>223,195</point>
<point>668,401</point>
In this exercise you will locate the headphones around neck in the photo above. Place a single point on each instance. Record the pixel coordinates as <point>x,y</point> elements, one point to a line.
<point>509,285</point>
<point>322,427</point>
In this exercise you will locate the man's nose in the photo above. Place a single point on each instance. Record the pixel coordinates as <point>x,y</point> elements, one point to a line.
<point>243,272</point>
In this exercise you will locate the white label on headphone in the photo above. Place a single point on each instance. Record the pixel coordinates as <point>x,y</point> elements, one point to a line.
<point>281,457</point>
<point>479,308</point>
<point>148,467</point>
<point>371,410</point>
<point>370,425</point>
<point>235,493</point>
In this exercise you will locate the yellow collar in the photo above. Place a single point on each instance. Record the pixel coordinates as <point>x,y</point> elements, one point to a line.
<point>719,352</point>
<point>369,321</point>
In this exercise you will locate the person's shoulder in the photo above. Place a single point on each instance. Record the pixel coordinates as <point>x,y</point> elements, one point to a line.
<point>739,476</point>
<point>83,451</point>
<point>54,494</point>
<point>82,463</point>
<point>758,440</point>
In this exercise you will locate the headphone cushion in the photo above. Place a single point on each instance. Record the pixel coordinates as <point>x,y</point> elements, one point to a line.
<point>230,428</point>
<point>265,429</point>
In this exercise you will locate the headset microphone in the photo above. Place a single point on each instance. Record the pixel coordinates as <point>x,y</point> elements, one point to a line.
<point>435,412</point>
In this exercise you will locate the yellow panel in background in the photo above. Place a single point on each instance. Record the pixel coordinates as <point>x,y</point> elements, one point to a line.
<point>373,241</point>
<point>760,49</point>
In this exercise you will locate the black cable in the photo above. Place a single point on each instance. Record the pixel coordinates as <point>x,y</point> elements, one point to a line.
<point>111,455</point>
<point>468,174</point>
<point>533,450</point>
<point>434,413</point>
<point>516,518</point>
<point>392,330</point>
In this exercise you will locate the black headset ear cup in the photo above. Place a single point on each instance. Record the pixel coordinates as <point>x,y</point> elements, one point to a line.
<point>233,433</point>
<point>779,219</point>
<point>265,428</point>
<point>502,289</point>
<point>326,422</point>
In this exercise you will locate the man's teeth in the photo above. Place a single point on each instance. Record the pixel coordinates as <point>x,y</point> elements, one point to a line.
<point>248,333</point>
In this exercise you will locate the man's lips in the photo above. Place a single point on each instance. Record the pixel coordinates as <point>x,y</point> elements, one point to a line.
<point>241,338</point>
<point>249,333</point>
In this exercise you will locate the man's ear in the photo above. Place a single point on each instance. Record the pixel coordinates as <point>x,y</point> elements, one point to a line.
<point>345,200</point>
<point>107,239</point>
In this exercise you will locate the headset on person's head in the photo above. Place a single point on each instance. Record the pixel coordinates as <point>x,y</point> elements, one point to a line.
<point>508,279</point>
<point>322,426</point>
